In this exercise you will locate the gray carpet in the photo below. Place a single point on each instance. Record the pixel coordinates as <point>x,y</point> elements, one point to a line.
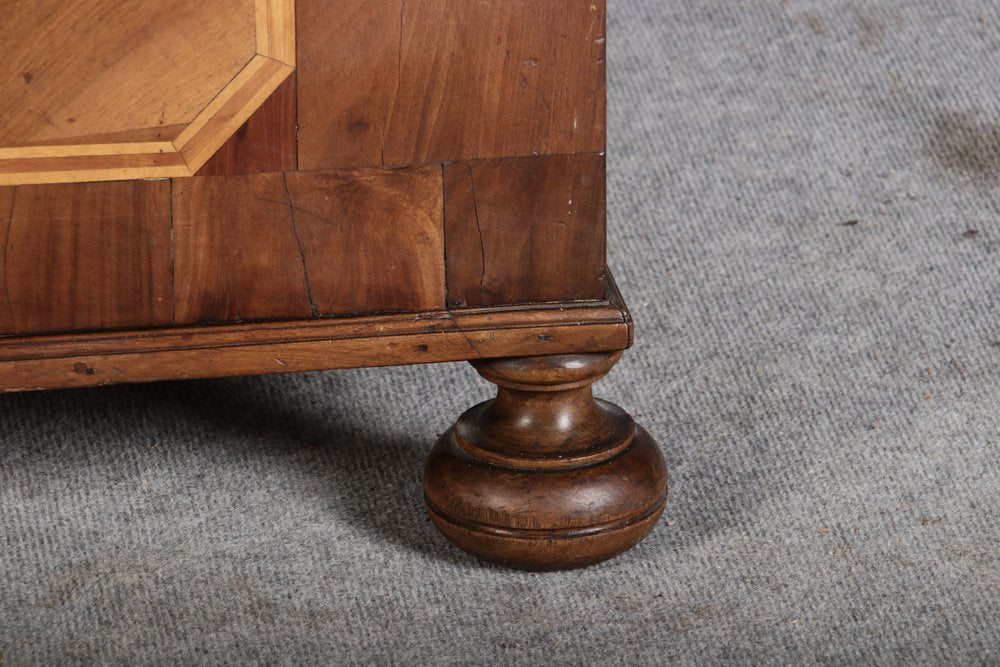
<point>804,207</point>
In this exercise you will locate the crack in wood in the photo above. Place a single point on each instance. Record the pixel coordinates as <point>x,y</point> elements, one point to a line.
<point>479,229</point>
<point>302,250</point>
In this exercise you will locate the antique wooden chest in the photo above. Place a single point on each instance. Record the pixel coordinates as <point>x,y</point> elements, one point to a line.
<point>199,188</point>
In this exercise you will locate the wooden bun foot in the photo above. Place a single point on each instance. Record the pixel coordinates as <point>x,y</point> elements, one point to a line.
<point>545,476</point>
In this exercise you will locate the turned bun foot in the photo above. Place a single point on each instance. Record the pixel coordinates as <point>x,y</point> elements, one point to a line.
<point>545,476</point>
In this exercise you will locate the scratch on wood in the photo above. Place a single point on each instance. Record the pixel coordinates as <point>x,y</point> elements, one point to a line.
<point>6,245</point>
<point>479,229</point>
<point>302,250</point>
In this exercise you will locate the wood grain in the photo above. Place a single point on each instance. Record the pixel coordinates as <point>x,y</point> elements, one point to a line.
<point>348,58</point>
<point>189,352</point>
<point>492,79</point>
<point>88,256</point>
<point>525,229</point>
<point>7,199</point>
<point>266,142</point>
<point>235,248</point>
<point>385,82</point>
<point>94,66</point>
<point>372,238</point>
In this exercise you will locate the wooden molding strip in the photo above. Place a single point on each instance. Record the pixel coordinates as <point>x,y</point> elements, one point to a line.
<point>42,362</point>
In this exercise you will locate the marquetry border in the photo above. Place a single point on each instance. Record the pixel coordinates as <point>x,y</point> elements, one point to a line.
<point>272,63</point>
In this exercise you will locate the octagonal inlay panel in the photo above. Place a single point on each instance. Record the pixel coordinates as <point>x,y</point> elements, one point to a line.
<point>95,90</point>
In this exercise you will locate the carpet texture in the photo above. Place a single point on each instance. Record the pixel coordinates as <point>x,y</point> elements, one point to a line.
<point>804,219</point>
